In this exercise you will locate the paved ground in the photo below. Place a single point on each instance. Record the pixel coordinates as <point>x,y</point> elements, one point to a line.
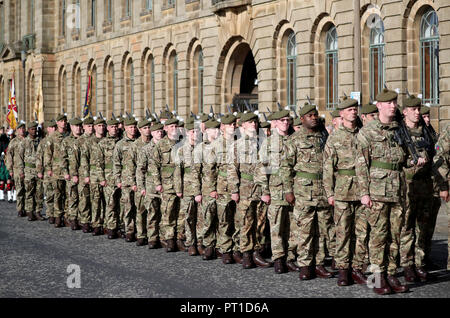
<point>36,260</point>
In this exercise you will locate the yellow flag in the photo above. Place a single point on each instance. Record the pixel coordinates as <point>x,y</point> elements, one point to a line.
<point>39,104</point>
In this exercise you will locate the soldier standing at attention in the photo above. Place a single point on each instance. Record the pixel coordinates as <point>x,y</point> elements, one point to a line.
<point>146,187</point>
<point>167,178</point>
<point>340,184</point>
<point>12,162</point>
<point>379,172</point>
<point>72,159</point>
<point>124,173</point>
<point>105,162</point>
<point>138,145</point>
<point>27,171</point>
<point>84,205</point>
<point>302,165</point>
<point>46,182</point>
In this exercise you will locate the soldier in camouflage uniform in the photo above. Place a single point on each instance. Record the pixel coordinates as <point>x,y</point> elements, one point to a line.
<point>107,181</point>
<point>124,175</point>
<point>84,206</point>
<point>146,187</point>
<point>381,181</point>
<point>92,175</point>
<point>55,167</point>
<point>46,182</point>
<point>72,161</point>
<point>302,164</point>
<point>340,184</point>
<point>167,178</point>
<point>12,162</point>
<point>27,168</point>
<point>141,208</point>
<point>279,208</point>
<point>441,164</point>
<point>419,191</point>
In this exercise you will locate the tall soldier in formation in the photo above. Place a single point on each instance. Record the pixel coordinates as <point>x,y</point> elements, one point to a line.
<point>12,162</point>
<point>56,169</point>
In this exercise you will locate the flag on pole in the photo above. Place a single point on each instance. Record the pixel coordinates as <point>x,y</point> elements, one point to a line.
<point>88,97</point>
<point>11,117</point>
<point>39,105</point>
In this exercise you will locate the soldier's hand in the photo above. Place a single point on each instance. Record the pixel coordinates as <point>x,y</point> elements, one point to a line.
<point>134,188</point>
<point>365,200</point>
<point>290,198</point>
<point>75,179</point>
<point>11,174</point>
<point>103,183</point>
<point>421,162</point>
<point>40,176</point>
<point>180,195</point>
<point>266,199</point>
<point>198,198</point>
<point>331,201</point>
<point>143,192</point>
<point>119,185</point>
<point>444,195</point>
<point>214,195</point>
<point>50,173</point>
<point>159,188</point>
<point>235,197</point>
<point>87,180</point>
<point>67,177</point>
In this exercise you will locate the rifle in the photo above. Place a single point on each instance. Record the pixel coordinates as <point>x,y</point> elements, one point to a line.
<point>403,138</point>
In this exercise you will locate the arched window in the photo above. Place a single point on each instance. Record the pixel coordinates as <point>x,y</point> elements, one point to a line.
<point>62,89</point>
<point>173,80</point>
<point>331,68</point>
<point>129,85</point>
<point>377,59</point>
<point>93,102</point>
<point>291,62</point>
<point>429,58</point>
<point>109,89</point>
<point>77,90</point>
<point>150,83</point>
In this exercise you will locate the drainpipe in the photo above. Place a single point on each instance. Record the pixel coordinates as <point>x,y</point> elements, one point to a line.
<point>357,47</point>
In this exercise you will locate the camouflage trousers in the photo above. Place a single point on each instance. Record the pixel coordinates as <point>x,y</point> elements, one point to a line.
<point>226,209</point>
<point>315,233</point>
<point>148,217</point>
<point>292,236</point>
<point>20,193</point>
<point>39,195</point>
<point>447,207</point>
<point>127,201</point>
<point>170,206</point>
<point>261,221</point>
<point>385,220</point>
<point>246,219</point>
<point>73,201</point>
<point>59,187</point>
<point>31,195</point>
<point>98,205</point>
<point>49,198</point>
<point>209,217</point>
<point>344,220</point>
<point>278,216</point>
<point>112,202</point>
<point>362,233</point>
<point>84,203</point>
<point>189,208</point>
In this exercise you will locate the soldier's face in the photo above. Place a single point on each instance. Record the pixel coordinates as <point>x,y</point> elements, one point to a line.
<point>212,133</point>
<point>192,135</point>
<point>88,129</point>
<point>145,131</point>
<point>76,130</point>
<point>21,131</point>
<point>387,109</point>
<point>157,135</point>
<point>228,129</point>
<point>250,128</point>
<point>367,118</point>
<point>349,114</point>
<point>100,129</point>
<point>172,131</point>
<point>412,114</point>
<point>131,131</point>
<point>283,124</point>
<point>61,124</point>
<point>310,120</point>
<point>426,119</point>
<point>112,130</point>
<point>50,130</point>
<point>32,131</point>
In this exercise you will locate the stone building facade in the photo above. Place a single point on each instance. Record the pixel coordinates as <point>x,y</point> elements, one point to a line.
<point>193,54</point>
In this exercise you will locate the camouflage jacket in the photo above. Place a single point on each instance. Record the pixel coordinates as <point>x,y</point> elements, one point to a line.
<point>185,160</point>
<point>136,148</point>
<point>11,160</point>
<point>89,154</point>
<point>26,153</point>
<point>54,156</point>
<point>163,169</point>
<point>205,166</point>
<point>143,173</point>
<point>379,162</point>
<point>270,156</point>
<point>105,159</point>
<point>123,167</point>
<point>224,155</point>
<point>73,154</point>
<point>339,156</point>
<point>302,163</point>
<point>441,161</point>
<point>40,157</point>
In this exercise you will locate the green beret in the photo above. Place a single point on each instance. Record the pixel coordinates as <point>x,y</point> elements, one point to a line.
<point>112,122</point>
<point>369,109</point>
<point>50,123</point>
<point>248,117</point>
<point>171,121</point>
<point>144,122</point>
<point>307,108</point>
<point>61,117</point>
<point>121,119</point>
<point>239,115</point>
<point>412,101</point>
<point>386,95</point>
<point>189,125</point>
<point>228,119</point>
<point>88,121</point>
<point>130,121</point>
<point>190,120</point>
<point>424,110</point>
<point>157,126</point>
<point>181,123</point>
<point>100,121</point>
<point>212,123</point>
<point>347,102</point>
<point>203,117</point>
<point>32,124</point>
<point>20,124</point>
<point>280,114</point>
<point>264,124</point>
<point>75,121</point>
<point>335,113</point>
<point>297,122</point>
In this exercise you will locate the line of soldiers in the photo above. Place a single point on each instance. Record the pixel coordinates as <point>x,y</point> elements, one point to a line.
<point>216,186</point>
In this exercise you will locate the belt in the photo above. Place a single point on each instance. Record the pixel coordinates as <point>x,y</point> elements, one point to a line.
<point>168,169</point>
<point>55,159</point>
<point>385,165</point>
<point>347,172</point>
<point>109,166</point>
<point>223,173</point>
<point>149,174</point>
<point>248,177</point>
<point>30,165</point>
<point>308,175</point>
<point>187,170</point>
